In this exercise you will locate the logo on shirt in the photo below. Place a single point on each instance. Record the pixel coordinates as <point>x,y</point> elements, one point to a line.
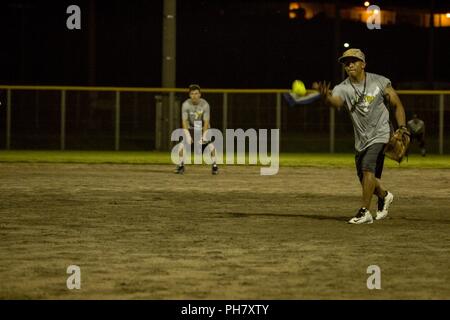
<point>365,100</point>
<point>197,115</point>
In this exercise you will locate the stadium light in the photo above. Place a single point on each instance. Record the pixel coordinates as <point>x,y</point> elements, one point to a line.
<point>346,45</point>
<point>367,3</point>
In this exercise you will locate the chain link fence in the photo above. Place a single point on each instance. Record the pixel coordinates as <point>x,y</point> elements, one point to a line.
<point>141,119</point>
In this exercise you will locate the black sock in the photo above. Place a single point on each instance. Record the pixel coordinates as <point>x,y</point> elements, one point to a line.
<point>380,203</point>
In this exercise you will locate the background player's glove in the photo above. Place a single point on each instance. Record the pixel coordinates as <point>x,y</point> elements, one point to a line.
<point>205,139</point>
<point>398,144</point>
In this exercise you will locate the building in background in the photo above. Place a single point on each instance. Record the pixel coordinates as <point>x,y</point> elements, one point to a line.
<point>389,15</point>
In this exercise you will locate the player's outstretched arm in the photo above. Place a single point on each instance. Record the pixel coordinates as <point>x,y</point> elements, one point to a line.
<point>325,92</point>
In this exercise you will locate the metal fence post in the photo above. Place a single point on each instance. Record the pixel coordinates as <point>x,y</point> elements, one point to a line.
<point>8,120</point>
<point>63,120</point>
<point>224,117</point>
<point>278,111</point>
<point>158,122</point>
<point>332,129</point>
<point>117,125</point>
<point>441,124</point>
<point>171,118</point>
<point>171,112</point>
<point>224,112</point>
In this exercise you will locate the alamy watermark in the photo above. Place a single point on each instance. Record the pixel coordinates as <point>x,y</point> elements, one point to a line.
<point>374,281</point>
<point>374,20</point>
<point>74,280</point>
<point>74,20</point>
<point>257,147</point>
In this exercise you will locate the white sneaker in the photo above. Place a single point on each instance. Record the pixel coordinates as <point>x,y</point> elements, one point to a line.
<point>387,202</point>
<point>363,216</point>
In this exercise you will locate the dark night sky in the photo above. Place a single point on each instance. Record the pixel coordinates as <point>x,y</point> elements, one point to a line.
<point>218,45</point>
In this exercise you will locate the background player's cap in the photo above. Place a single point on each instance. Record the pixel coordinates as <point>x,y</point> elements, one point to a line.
<point>353,53</point>
<point>193,87</point>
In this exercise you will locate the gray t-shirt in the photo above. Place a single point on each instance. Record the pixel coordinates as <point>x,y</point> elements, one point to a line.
<point>416,127</point>
<point>195,112</point>
<point>368,113</point>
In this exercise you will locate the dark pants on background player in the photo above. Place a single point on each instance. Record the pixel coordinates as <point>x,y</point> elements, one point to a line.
<point>420,138</point>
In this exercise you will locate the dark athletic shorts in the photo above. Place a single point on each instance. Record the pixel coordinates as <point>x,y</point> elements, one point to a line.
<point>370,159</point>
<point>419,137</point>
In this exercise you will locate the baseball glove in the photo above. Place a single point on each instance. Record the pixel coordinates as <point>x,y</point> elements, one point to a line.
<point>398,144</point>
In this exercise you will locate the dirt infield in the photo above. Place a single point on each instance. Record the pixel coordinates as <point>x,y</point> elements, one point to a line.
<point>141,232</point>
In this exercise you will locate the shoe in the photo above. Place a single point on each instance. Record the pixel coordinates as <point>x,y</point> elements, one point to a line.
<point>363,216</point>
<point>179,169</point>
<point>215,169</point>
<point>383,212</point>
